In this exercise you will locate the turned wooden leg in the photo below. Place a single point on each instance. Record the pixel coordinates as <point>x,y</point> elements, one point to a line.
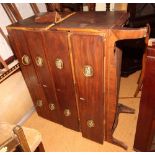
<point>4,63</point>
<point>120,109</point>
<point>139,87</point>
<point>125,109</point>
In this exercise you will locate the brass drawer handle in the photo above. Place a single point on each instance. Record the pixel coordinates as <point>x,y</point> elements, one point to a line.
<point>67,112</point>
<point>88,71</point>
<point>90,124</point>
<point>39,103</point>
<point>25,60</point>
<point>39,61</point>
<point>52,106</point>
<point>59,63</point>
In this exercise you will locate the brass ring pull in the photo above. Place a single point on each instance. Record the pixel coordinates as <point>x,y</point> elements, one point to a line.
<point>52,106</point>
<point>90,124</point>
<point>39,61</point>
<point>25,60</point>
<point>88,71</point>
<point>59,63</point>
<point>67,112</point>
<point>39,103</point>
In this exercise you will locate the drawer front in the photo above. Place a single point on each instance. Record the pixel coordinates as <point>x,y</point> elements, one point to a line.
<point>37,51</point>
<point>88,61</point>
<point>20,48</point>
<point>59,59</point>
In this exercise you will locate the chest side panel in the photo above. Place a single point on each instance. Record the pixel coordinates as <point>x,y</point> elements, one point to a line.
<point>88,61</point>
<point>59,60</point>
<point>146,116</point>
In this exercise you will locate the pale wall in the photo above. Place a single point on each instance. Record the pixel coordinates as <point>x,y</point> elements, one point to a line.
<point>26,11</point>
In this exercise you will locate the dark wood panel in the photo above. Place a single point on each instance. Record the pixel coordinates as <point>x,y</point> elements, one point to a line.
<point>146,117</point>
<point>57,48</point>
<point>88,50</point>
<point>36,48</point>
<point>20,48</point>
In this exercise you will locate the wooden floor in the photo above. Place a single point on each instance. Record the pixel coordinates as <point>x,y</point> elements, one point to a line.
<point>15,99</point>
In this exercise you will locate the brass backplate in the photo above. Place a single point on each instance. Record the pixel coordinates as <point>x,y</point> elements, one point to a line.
<point>25,60</point>
<point>52,106</point>
<point>39,103</point>
<point>39,61</point>
<point>67,112</point>
<point>59,63</point>
<point>88,71</point>
<point>90,124</point>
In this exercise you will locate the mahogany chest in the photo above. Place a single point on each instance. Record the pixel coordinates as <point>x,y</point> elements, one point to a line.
<point>72,68</point>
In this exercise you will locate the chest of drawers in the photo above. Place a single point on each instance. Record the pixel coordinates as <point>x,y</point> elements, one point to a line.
<point>72,68</point>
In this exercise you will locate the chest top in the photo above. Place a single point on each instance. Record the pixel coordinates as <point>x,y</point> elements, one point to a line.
<point>78,20</point>
<point>93,20</point>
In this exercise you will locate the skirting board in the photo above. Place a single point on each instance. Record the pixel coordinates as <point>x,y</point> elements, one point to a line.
<point>6,74</point>
<point>26,116</point>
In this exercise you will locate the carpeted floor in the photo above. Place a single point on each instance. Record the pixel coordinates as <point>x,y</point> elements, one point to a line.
<point>58,138</point>
<point>15,99</point>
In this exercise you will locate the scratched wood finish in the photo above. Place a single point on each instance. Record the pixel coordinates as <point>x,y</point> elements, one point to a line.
<point>36,48</point>
<point>88,50</point>
<point>20,47</point>
<point>94,20</point>
<point>57,47</point>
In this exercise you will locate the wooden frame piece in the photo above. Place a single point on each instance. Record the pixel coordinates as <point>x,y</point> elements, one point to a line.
<point>110,99</point>
<point>4,36</point>
<point>35,8</point>
<point>141,77</point>
<point>12,12</point>
<point>8,12</point>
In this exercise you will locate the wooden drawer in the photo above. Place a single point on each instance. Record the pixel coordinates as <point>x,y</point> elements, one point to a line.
<point>20,48</point>
<point>88,57</point>
<point>59,59</point>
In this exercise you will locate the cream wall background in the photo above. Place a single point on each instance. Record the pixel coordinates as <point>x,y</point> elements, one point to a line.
<point>26,11</point>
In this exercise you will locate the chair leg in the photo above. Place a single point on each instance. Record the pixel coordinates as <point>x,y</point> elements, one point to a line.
<point>141,77</point>
<point>22,139</point>
<point>4,63</point>
<point>40,148</point>
<point>121,109</point>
